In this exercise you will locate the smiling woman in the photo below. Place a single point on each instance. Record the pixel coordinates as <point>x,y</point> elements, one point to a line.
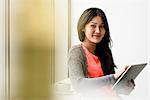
<point>129,27</point>
<point>91,64</point>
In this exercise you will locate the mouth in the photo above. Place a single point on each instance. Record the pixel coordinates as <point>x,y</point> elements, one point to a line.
<point>97,36</point>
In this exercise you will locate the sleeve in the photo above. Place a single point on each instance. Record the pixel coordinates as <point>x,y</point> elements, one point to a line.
<point>78,80</point>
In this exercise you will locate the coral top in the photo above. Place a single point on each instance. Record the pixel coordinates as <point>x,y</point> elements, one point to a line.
<point>94,64</point>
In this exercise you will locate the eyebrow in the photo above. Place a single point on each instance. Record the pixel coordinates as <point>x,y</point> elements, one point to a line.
<point>95,23</point>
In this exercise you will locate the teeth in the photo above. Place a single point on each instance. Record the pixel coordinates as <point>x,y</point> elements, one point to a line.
<point>95,35</point>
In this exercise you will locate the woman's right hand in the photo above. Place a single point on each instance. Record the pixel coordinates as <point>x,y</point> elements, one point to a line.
<point>118,73</point>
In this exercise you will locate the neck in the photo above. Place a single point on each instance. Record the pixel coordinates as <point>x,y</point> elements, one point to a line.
<point>90,46</point>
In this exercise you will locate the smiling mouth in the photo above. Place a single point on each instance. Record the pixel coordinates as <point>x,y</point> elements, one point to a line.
<point>96,36</point>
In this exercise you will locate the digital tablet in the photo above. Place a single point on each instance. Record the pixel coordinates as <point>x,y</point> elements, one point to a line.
<point>130,73</point>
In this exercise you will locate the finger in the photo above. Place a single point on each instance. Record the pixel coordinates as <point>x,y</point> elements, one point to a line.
<point>132,81</point>
<point>126,67</point>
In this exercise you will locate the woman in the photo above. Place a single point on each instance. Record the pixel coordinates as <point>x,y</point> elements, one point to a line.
<point>91,65</point>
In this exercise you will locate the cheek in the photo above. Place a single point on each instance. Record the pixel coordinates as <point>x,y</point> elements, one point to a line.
<point>89,32</point>
<point>88,35</point>
<point>103,32</point>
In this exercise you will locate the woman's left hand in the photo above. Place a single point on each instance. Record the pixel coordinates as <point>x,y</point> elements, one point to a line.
<point>128,87</point>
<point>131,86</point>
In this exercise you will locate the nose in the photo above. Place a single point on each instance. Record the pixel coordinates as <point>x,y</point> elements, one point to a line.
<point>97,30</point>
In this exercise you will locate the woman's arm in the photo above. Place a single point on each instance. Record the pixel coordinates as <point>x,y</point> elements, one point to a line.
<point>76,74</point>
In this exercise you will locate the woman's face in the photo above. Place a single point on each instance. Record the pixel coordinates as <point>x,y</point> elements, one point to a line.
<point>94,30</point>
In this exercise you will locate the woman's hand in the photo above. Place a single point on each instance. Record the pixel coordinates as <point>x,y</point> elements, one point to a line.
<point>130,86</point>
<point>127,87</point>
<point>117,74</point>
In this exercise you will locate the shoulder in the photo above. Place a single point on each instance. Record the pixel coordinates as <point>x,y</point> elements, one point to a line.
<point>76,49</point>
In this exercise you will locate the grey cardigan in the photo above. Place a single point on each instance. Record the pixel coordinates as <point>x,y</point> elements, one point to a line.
<point>77,63</point>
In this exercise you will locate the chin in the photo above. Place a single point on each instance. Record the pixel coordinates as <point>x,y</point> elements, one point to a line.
<point>97,41</point>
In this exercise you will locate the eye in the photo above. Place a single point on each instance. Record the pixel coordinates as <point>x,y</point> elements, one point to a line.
<point>102,26</point>
<point>93,26</point>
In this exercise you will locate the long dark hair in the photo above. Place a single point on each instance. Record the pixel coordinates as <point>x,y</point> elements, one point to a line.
<point>103,50</point>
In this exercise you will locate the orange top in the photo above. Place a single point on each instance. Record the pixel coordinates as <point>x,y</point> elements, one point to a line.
<point>94,64</point>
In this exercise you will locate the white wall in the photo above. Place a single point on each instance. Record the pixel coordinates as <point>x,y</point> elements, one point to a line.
<point>2,48</point>
<point>148,41</point>
<point>129,31</point>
